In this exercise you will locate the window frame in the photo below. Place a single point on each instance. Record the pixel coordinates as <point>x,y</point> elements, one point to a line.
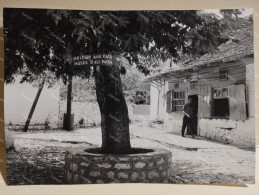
<point>195,85</point>
<point>178,96</point>
<point>214,98</point>
<point>223,76</point>
<point>176,85</point>
<point>222,96</point>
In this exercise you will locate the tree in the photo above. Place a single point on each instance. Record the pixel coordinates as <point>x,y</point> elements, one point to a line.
<point>230,18</point>
<point>25,64</point>
<point>134,89</point>
<point>137,35</point>
<point>83,90</point>
<point>33,108</point>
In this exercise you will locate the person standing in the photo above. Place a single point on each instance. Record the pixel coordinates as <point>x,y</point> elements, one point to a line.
<point>188,110</point>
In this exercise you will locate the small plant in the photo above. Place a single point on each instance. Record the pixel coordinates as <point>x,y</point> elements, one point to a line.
<point>81,122</point>
<point>150,124</point>
<point>46,124</point>
<point>9,139</point>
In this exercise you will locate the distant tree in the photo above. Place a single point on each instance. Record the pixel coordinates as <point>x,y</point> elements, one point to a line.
<point>250,18</point>
<point>137,35</point>
<point>230,18</point>
<point>37,49</point>
<point>134,89</point>
<point>35,78</point>
<point>83,90</point>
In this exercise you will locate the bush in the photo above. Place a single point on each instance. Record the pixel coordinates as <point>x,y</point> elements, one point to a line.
<point>81,122</point>
<point>9,139</point>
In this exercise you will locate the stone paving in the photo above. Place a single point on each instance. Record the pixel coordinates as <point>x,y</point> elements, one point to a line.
<point>40,165</point>
<point>39,157</point>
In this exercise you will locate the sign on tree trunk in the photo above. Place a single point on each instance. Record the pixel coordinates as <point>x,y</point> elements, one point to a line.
<point>97,60</point>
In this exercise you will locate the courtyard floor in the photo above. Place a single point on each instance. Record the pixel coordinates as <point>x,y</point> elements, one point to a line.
<point>38,157</point>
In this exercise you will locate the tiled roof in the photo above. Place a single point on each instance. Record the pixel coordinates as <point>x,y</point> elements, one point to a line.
<point>240,44</point>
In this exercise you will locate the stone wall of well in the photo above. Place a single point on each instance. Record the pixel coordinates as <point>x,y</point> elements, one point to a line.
<point>83,167</point>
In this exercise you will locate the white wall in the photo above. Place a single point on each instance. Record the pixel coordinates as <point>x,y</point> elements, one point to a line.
<point>173,120</point>
<point>250,83</point>
<point>229,131</point>
<point>18,99</point>
<point>157,102</point>
<point>153,102</point>
<point>141,109</point>
<point>89,111</point>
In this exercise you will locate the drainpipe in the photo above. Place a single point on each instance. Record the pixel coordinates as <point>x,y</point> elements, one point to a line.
<point>158,102</point>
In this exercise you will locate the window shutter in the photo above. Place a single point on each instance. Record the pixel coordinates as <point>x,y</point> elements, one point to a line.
<point>172,100</point>
<point>237,102</point>
<point>205,97</point>
<point>169,101</point>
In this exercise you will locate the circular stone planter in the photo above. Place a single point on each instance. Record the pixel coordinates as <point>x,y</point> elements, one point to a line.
<point>147,166</point>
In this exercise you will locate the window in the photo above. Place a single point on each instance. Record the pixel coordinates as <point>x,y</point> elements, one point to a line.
<point>223,74</point>
<point>193,84</point>
<point>220,92</point>
<point>176,86</point>
<point>220,102</point>
<point>221,107</point>
<point>175,101</point>
<point>178,101</point>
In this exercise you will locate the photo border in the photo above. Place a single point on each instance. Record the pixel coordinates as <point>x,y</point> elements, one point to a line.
<point>129,5</point>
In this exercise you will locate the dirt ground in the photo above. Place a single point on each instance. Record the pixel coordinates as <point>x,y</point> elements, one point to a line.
<point>41,161</point>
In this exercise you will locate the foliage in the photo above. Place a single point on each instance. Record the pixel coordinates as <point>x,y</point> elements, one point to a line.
<point>230,20</point>
<point>135,90</point>
<point>47,40</point>
<point>133,80</point>
<point>205,37</point>
<point>83,90</point>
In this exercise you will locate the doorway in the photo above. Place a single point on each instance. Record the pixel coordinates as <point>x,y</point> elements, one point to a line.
<point>195,114</point>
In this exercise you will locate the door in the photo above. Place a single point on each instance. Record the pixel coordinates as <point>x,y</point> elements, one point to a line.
<point>195,114</point>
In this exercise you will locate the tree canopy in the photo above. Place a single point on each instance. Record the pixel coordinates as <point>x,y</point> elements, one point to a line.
<point>46,40</point>
<point>40,41</point>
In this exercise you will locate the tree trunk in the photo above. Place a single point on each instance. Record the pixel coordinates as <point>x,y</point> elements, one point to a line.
<point>68,125</point>
<point>26,126</point>
<point>114,111</point>
<point>69,95</point>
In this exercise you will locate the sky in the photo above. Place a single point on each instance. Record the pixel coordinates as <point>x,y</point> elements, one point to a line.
<point>246,12</point>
